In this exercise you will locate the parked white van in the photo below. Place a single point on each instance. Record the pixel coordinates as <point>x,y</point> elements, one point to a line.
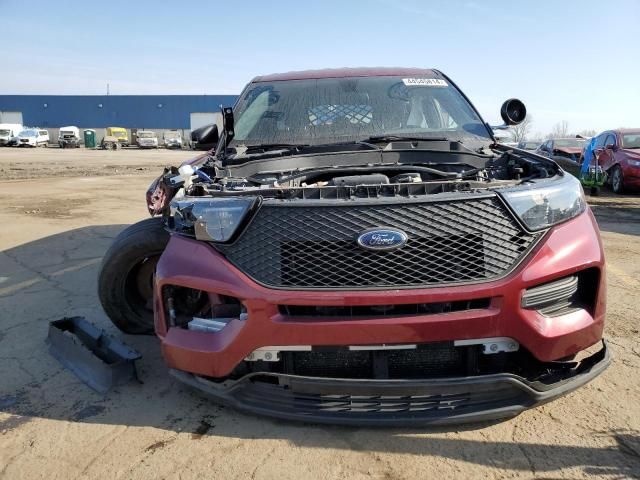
<point>69,137</point>
<point>33,137</point>
<point>147,139</point>
<point>9,132</point>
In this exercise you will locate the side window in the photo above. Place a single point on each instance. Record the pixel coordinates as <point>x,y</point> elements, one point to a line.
<point>252,115</point>
<point>601,139</point>
<point>611,139</point>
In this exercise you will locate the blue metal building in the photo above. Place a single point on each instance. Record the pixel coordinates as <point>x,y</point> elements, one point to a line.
<point>100,111</point>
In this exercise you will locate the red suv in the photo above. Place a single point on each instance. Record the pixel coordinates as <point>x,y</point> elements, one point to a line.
<point>618,153</point>
<point>358,249</point>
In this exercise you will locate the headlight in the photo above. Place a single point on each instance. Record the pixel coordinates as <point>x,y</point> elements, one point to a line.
<point>213,220</point>
<point>634,163</point>
<point>544,205</point>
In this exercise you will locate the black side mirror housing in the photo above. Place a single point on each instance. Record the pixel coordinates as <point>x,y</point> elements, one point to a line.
<point>205,138</point>
<point>207,134</point>
<point>610,146</point>
<point>513,112</point>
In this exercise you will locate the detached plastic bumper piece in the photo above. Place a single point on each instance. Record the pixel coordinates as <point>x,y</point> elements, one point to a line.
<point>98,359</point>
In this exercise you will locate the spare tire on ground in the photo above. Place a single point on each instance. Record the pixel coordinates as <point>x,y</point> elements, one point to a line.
<point>125,281</point>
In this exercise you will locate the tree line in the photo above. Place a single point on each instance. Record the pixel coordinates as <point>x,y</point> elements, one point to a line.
<point>523,131</point>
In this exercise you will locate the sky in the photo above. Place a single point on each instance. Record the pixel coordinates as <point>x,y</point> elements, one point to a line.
<point>577,61</point>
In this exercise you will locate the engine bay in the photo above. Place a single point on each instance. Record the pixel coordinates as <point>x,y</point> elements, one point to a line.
<point>341,177</point>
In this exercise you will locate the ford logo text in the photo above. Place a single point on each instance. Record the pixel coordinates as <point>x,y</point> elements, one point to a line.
<point>382,239</point>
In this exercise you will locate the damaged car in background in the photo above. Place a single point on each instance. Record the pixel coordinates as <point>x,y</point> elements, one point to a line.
<point>358,249</point>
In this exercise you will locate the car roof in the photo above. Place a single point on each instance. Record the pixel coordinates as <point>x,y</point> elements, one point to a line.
<point>627,130</point>
<point>348,72</point>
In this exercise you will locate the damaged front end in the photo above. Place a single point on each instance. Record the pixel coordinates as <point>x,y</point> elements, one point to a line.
<point>315,266</point>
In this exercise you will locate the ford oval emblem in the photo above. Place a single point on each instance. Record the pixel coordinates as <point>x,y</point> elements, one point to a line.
<point>382,239</point>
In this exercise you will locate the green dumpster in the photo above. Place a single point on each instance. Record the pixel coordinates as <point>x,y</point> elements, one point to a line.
<point>89,139</point>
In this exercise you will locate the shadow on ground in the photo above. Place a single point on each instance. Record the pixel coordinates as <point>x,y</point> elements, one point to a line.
<point>617,213</point>
<point>56,276</point>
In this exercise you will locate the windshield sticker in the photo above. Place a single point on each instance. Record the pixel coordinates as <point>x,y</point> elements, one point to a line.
<point>424,82</point>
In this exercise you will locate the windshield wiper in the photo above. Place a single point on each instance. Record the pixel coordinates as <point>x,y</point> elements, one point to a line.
<point>271,146</point>
<point>266,148</point>
<point>403,138</point>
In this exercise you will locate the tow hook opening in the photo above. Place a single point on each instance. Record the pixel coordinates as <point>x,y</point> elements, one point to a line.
<point>198,310</point>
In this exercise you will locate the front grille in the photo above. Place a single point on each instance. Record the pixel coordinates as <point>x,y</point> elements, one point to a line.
<point>315,405</point>
<point>426,361</point>
<point>323,312</point>
<point>397,405</point>
<point>289,246</point>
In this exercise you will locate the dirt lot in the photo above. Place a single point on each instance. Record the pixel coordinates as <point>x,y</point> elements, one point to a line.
<point>60,211</point>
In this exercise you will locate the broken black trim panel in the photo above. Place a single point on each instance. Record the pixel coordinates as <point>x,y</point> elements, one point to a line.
<point>98,359</point>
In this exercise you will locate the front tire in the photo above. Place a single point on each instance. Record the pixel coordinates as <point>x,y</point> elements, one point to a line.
<point>125,282</point>
<point>617,180</point>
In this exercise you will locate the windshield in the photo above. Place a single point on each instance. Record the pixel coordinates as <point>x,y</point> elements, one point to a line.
<point>118,133</point>
<point>5,132</point>
<point>172,135</point>
<point>146,135</point>
<point>530,145</point>
<point>67,132</point>
<point>333,110</point>
<point>28,133</point>
<point>631,140</point>
<point>569,142</point>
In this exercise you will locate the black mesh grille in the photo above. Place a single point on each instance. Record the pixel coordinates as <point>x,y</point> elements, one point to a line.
<point>434,360</point>
<point>290,246</point>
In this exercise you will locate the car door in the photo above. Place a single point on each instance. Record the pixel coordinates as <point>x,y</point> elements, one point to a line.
<point>599,147</point>
<point>606,158</point>
<point>545,149</point>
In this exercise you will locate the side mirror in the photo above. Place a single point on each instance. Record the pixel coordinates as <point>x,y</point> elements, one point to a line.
<point>610,146</point>
<point>207,135</point>
<point>513,112</point>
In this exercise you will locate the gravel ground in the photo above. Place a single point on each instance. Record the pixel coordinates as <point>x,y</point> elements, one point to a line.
<point>61,210</point>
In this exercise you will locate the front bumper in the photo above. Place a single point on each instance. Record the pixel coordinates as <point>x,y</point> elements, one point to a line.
<point>406,403</point>
<point>568,248</point>
<point>631,176</point>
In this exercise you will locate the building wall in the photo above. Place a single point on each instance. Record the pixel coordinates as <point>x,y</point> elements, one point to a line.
<point>101,111</point>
